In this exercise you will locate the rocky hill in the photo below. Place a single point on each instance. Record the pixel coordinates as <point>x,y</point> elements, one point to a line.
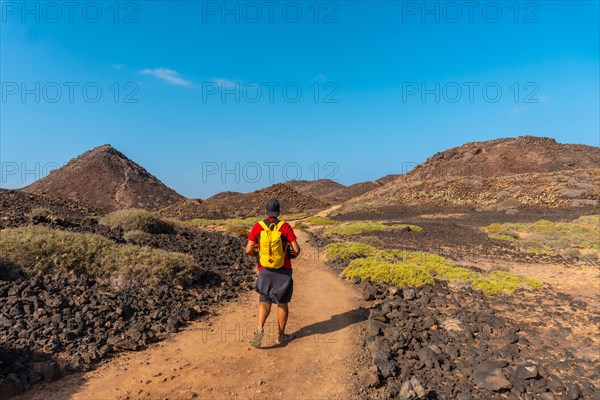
<point>319,188</point>
<point>500,175</point>
<point>106,179</point>
<point>507,156</point>
<point>237,205</point>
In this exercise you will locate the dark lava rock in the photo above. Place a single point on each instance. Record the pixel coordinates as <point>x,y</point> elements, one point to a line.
<point>491,377</point>
<point>526,371</point>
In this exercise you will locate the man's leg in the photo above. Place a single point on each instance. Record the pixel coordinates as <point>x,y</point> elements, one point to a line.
<point>282,317</point>
<point>264,309</point>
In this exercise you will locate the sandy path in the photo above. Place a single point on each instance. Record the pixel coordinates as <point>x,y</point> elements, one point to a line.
<point>214,360</point>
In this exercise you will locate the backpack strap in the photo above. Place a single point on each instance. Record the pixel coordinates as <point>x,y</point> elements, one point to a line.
<point>268,223</point>
<point>264,224</point>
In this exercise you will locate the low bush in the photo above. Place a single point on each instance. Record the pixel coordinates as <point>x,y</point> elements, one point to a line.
<point>416,268</point>
<point>348,250</point>
<point>137,219</point>
<point>239,222</point>
<point>356,228</point>
<point>39,213</point>
<point>37,248</point>
<point>292,217</point>
<point>544,237</point>
<point>407,227</point>
<point>136,236</point>
<point>321,221</point>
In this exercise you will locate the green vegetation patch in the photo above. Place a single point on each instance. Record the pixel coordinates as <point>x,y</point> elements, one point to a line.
<point>320,221</point>
<point>416,268</point>
<point>37,248</point>
<point>39,212</point>
<point>135,219</point>
<point>356,228</point>
<point>292,217</point>
<point>576,239</point>
<point>246,223</point>
<point>349,250</point>
<point>407,227</point>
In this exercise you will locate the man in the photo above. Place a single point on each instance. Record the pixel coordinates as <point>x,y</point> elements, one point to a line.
<point>274,283</point>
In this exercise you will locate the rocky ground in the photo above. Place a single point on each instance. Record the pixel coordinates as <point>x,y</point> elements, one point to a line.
<point>451,342</point>
<point>54,324</point>
<point>458,234</point>
<point>439,342</point>
<point>16,207</point>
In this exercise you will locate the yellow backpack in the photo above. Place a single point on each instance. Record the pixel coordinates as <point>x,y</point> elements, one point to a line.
<point>271,253</point>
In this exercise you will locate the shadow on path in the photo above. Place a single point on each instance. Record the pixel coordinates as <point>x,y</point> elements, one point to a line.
<point>335,323</point>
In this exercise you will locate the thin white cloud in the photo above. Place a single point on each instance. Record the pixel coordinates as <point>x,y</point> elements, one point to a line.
<point>320,77</point>
<point>168,75</point>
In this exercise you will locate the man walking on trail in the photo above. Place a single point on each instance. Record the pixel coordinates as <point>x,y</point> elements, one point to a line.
<point>274,244</point>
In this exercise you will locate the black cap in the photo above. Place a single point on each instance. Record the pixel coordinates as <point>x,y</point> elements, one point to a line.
<point>273,208</point>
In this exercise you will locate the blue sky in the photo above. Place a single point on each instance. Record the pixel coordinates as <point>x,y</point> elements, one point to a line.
<point>211,99</point>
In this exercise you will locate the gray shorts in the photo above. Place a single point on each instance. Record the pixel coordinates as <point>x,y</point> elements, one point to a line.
<point>275,285</point>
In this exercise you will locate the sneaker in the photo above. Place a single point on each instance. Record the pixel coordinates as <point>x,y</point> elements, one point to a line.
<point>284,338</point>
<point>255,342</point>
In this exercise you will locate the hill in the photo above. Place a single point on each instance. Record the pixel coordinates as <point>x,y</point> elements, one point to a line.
<point>320,188</point>
<point>502,175</point>
<point>507,156</point>
<point>238,205</point>
<point>106,179</point>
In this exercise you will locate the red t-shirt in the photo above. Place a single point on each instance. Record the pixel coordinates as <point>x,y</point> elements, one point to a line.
<point>286,231</point>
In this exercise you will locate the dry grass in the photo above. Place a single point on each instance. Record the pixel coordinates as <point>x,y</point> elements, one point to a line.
<point>356,228</point>
<point>578,239</point>
<point>134,219</point>
<point>37,248</point>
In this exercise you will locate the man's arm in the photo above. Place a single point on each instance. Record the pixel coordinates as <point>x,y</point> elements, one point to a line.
<point>251,248</point>
<point>295,248</point>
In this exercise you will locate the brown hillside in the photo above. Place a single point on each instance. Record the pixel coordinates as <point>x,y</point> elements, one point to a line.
<point>508,156</point>
<point>569,188</point>
<point>238,205</point>
<point>320,188</point>
<point>106,179</point>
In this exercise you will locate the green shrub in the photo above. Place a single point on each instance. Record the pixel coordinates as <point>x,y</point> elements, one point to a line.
<point>415,268</point>
<point>348,250</point>
<point>39,212</point>
<point>546,237</point>
<point>300,225</point>
<point>407,227</point>
<point>356,228</point>
<point>398,274</point>
<point>292,217</point>
<point>136,236</point>
<point>321,221</point>
<point>573,254</point>
<point>239,222</point>
<point>37,248</point>
<point>591,256</point>
<point>237,231</point>
<point>137,219</point>
<point>371,241</point>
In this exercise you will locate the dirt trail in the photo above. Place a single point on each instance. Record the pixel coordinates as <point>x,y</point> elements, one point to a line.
<point>214,360</point>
